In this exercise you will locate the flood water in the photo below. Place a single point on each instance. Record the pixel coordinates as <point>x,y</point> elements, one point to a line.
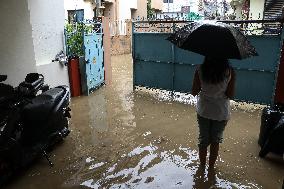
<point>148,139</point>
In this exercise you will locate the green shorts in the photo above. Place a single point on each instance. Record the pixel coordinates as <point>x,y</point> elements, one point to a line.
<point>210,131</point>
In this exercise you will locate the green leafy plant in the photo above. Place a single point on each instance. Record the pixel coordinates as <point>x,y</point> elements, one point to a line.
<point>193,16</point>
<point>150,11</point>
<point>74,35</point>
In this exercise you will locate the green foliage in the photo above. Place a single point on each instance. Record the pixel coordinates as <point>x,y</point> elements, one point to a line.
<point>74,34</point>
<point>150,11</point>
<point>193,16</point>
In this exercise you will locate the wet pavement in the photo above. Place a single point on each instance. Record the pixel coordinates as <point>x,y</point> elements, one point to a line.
<point>148,139</point>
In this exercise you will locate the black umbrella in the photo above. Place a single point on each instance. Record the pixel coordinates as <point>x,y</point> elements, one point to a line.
<point>215,39</point>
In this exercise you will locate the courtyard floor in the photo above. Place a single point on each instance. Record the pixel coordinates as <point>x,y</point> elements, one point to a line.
<point>148,139</point>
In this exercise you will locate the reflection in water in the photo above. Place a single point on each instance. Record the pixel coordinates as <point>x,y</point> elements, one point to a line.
<point>149,167</point>
<point>147,133</point>
<point>89,159</point>
<point>123,90</point>
<point>97,112</point>
<point>96,165</point>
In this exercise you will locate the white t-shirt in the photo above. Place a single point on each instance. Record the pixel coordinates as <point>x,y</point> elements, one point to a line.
<point>212,102</point>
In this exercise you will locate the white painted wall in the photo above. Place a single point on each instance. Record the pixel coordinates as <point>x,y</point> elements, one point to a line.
<point>256,9</point>
<point>48,38</point>
<point>132,4</point>
<point>16,42</point>
<point>54,74</point>
<point>31,35</point>
<point>88,7</point>
<point>47,20</point>
<point>125,7</point>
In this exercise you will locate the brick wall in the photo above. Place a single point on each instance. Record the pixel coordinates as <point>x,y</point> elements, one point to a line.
<point>120,44</point>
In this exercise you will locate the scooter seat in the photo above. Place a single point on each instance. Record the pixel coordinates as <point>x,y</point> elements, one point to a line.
<point>41,107</point>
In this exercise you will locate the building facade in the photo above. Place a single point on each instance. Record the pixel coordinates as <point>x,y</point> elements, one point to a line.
<point>177,9</point>
<point>115,10</point>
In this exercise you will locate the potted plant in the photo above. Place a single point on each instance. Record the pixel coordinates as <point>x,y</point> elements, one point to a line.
<point>74,39</point>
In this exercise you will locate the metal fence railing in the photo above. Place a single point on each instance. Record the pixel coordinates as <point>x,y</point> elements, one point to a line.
<point>119,27</point>
<point>248,27</point>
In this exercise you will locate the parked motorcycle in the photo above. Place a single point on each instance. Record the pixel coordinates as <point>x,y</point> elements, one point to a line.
<point>33,118</point>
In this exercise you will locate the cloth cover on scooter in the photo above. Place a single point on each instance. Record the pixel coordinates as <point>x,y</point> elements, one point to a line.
<point>42,105</point>
<point>275,141</point>
<point>38,114</point>
<point>269,120</point>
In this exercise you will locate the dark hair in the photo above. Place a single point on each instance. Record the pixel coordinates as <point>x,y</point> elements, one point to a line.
<point>214,70</point>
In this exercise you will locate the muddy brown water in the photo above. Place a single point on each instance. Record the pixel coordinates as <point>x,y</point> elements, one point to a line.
<point>148,139</point>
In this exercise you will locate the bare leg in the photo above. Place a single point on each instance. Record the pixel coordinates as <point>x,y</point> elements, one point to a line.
<point>214,149</point>
<point>202,156</point>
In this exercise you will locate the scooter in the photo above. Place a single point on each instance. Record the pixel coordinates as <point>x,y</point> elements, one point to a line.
<point>33,118</point>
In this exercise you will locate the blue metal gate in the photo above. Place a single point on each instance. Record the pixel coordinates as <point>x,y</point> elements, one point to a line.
<point>160,64</point>
<point>94,59</point>
<point>85,40</point>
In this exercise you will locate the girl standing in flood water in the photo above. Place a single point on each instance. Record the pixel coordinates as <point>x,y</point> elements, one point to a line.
<point>214,83</point>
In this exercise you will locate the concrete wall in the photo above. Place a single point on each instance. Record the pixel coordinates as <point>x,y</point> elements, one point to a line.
<point>88,7</point>
<point>110,11</point>
<point>48,39</point>
<point>30,38</point>
<point>107,51</point>
<point>124,9</point>
<point>132,3</point>
<point>120,44</point>
<point>256,9</point>
<point>157,4</point>
<point>47,30</point>
<point>16,42</point>
<point>55,74</point>
<point>132,8</point>
<point>141,11</point>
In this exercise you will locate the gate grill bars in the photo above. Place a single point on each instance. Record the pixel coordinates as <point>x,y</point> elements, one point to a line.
<point>248,27</point>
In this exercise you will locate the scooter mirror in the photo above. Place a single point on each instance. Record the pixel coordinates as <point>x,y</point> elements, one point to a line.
<point>3,78</point>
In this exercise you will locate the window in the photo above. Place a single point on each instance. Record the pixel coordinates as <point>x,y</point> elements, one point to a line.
<point>75,16</point>
<point>168,1</point>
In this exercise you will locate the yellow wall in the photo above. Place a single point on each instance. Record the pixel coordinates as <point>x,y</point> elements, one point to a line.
<point>157,4</point>
<point>141,11</point>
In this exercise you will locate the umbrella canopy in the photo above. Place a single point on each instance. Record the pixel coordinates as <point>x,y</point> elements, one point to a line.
<point>215,39</point>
